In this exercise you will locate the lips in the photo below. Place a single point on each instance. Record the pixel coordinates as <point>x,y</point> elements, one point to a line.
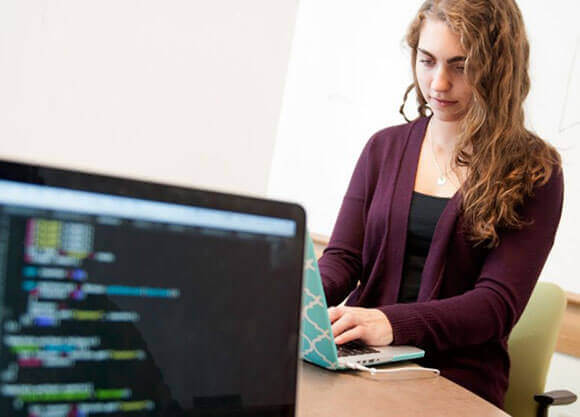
<point>443,103</point>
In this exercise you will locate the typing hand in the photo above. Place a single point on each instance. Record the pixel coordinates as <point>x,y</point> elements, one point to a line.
<point>368,324</point>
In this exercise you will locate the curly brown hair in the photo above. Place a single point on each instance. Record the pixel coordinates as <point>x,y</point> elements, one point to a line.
<point>507,161</point>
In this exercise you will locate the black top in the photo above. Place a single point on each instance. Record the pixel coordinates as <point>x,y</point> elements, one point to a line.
<point>423,216</point>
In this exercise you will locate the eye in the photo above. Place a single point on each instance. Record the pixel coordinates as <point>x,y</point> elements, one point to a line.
<point>426,62</point>
<point>460,69</point>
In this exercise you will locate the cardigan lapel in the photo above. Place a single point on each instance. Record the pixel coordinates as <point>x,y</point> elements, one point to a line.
<point>433,270</point>
<point>400,207</point>
<point>398,222</point>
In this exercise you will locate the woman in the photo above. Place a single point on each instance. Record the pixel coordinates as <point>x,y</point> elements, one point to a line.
<point>448,219</point>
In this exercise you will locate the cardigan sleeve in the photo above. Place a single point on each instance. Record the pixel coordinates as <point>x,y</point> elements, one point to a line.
<point>341,263</point>
<point>502,290</point>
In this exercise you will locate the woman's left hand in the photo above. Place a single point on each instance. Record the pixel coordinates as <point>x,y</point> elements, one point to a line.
<point>368,324</point>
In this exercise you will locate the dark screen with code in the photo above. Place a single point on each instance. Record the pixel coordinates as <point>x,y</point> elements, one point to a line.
<point>112,316</point>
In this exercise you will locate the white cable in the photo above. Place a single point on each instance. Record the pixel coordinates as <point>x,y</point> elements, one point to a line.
<point>374,371</point>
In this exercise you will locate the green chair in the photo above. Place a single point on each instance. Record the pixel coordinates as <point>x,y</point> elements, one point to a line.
<point>531,345</point>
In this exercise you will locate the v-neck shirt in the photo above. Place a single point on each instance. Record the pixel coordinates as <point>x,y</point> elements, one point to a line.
<point>423,216</point>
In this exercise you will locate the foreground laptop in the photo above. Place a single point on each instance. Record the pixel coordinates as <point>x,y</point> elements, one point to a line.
<point>317,340</point>
<point>126,298</point>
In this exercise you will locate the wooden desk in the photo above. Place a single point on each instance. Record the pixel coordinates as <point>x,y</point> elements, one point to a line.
<point>323,393</point>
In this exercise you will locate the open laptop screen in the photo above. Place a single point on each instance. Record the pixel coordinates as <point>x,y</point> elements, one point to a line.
<point>160,301</point>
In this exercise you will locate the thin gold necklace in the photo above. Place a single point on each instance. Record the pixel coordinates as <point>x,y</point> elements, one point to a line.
<point>443,177</point>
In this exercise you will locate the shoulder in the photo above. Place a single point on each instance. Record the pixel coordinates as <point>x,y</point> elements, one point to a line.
<point>546,168</point>
<point>398,133</point>
<point>392,140</point>
<point>545,171</point>
<point>551,190</point>
<point>545,203</point>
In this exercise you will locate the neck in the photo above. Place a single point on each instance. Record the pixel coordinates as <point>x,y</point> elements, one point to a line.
<point>444,134</point>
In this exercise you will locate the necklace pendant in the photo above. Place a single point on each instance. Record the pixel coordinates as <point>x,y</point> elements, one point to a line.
<point>441,180</point>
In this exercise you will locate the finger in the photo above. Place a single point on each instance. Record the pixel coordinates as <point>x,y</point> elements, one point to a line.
<point>344,323</point>
<point>334,313</point>
<point>352,334</point>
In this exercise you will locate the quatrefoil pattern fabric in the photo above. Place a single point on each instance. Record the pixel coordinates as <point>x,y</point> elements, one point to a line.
<point>317,342</point>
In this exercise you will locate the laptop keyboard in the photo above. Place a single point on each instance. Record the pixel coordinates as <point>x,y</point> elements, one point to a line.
<point>354,348</point>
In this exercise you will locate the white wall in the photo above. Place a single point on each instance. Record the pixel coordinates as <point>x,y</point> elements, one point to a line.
<point>346,79</point>
<point>182,91</point>
<point>347,75</point>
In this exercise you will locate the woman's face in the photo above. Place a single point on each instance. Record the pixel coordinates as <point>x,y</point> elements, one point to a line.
<point>440,71</point>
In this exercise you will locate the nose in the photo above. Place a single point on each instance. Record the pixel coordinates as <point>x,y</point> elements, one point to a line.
<point>440,81</point>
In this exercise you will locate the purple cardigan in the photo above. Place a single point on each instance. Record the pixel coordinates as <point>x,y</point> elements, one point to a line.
<point>470,297</point>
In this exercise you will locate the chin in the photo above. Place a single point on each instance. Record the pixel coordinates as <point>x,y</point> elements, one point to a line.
<point>448,117</point>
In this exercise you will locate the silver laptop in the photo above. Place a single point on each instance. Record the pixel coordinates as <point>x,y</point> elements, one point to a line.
<point>318,344</point>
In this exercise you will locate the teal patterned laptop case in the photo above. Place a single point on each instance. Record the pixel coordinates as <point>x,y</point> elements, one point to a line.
<point>317,341</point>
